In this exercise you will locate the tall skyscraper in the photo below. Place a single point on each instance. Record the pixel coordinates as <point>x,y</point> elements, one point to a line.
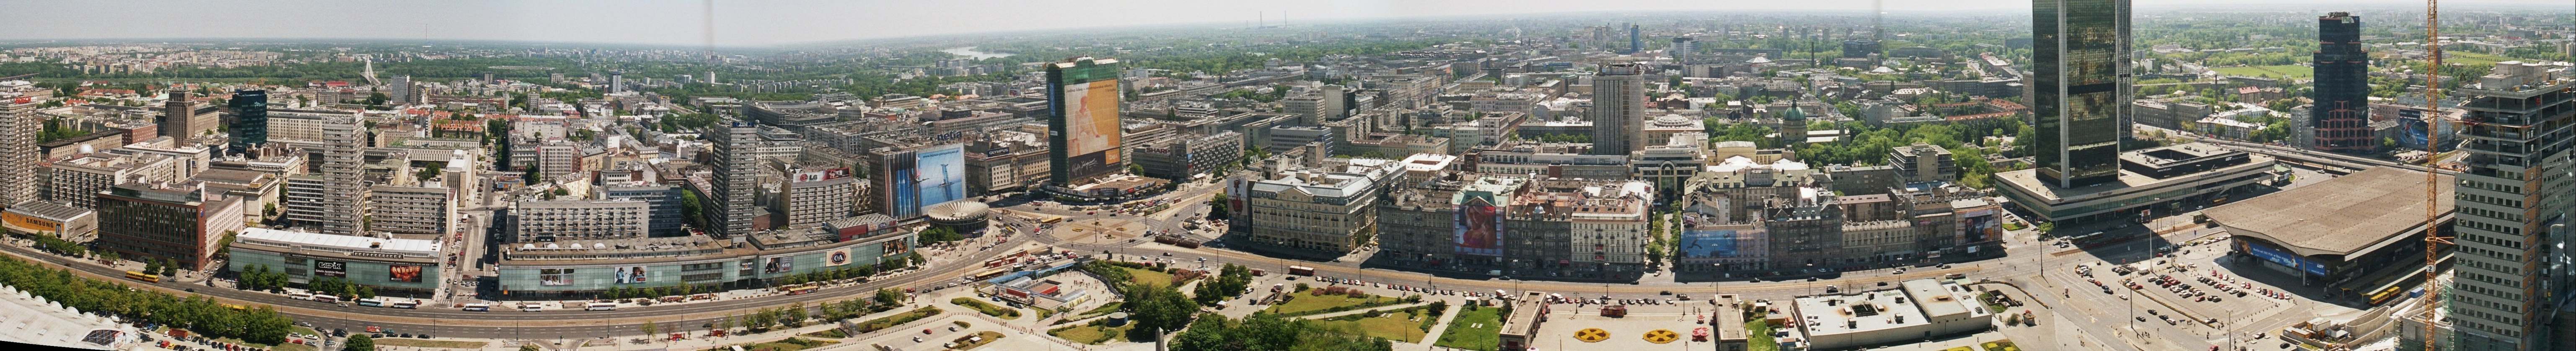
<point>401,89</point>
<point>1635,42</point>
<point>1618,109</point>
<point>1682,49</point>
<point>737,178</point>
<point>19,124</point>
<point>2341,116</point>
<point>343,145</point>
<point>616,82</point>
<point>250,119</point>
<point>1083,134</point>
<point>180,120</point>
<point>2511,270</point>
<point>2080,53</point>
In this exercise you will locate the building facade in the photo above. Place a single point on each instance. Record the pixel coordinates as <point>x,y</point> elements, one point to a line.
<point>2081,65</point>
<point>557,220</point>
<point>403,209</point>
<point>398,266</point>
<point>19,124</point>
<point>250,119</point>
<point>158,221</point>
<point>1618,111</point>
<point>78,181</point>
<point>1309,210</point>
<point>2510,194</point>
<point>2341,114</point>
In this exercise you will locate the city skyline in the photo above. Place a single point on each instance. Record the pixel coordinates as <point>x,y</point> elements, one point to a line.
<point>770,24</point>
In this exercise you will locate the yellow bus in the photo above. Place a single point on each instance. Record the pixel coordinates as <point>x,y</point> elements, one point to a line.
<point>801,289</point>
<point>148,278</point>
<point>237,307</point>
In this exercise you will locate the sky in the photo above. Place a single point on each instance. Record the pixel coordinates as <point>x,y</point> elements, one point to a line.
<point>786,22</point>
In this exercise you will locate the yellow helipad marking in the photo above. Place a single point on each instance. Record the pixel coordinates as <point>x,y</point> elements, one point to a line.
<point>1660,336</point>
<point>1592,335</point>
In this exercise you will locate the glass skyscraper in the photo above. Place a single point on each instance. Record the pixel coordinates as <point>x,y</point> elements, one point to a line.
<point>250,118</point>
<point>2080,83</point>
<point>2341,116</point>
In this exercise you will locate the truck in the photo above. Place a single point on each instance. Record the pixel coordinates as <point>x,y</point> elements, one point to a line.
<point>1301,270</point>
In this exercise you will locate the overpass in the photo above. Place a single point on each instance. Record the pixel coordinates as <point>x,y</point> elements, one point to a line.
<point>2339,164</point>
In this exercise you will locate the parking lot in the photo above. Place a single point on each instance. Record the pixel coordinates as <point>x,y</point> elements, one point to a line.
<point>2191,291</point>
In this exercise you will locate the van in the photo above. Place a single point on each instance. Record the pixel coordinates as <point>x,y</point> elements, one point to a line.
<point>531,308</point>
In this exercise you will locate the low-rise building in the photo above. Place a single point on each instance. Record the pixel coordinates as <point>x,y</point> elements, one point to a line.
<point>1923,163</point>
<point>1314,209</point>
<point>1915,310</point>
<point>78,181</point>
<point>562,220</point>
<point>2149,179</point>
<point>388,265</point>
<point>72,224</point>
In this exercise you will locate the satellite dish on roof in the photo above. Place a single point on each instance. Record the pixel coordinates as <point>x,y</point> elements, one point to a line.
<point>553,246</point>
<point>527,246</point>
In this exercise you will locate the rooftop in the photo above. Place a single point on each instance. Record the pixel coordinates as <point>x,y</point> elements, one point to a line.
<point>2028,179</point>
<point>1911,304</point>
<point>49,210</point>
<point>283,238</point>
<point>2340,216</point>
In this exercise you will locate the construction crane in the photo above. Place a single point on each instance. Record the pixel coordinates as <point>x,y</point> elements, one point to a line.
<point>2432,172</point>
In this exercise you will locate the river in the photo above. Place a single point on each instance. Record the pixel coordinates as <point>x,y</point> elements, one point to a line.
<point>970,52</point>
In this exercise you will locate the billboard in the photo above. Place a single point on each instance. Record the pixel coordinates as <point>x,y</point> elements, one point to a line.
<point>902,186</point>
<point>29,224</point>
<point>837,257</point>
<point>402,273</point>
<point>1980,226</point>
<point>1085,132</point>
<point>1479,229</point>
<point>1708,243</point>
<point>939,175</point>
<point>2285,259</point>
<point>779,265</point>
<point>630,274</point>
<point>331,268</point>
<point>554,276</point>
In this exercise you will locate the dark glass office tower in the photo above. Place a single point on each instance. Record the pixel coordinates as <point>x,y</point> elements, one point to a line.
<point>2080,55</point>
<point>2341,115</point>
<point>250,119</point>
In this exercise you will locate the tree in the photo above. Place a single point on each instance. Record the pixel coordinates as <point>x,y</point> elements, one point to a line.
<point>651,329</point>
<point>888,296</point>
<point>727,322</point>
<point>359,342</point>
<point>1158,307</point>
<point>1217,207</point>
<point>153,265</point>
<point>377,99</point>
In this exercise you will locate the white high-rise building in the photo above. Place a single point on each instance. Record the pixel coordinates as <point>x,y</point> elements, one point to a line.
<point>19,124</point>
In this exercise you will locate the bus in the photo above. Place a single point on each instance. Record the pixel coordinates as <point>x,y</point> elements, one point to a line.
<point>801,289</point>
<point>326,298</point>
<point>992,273</point>
<point>147,278</point>
<point>478,307</point>
<point>600,306</point>
<point>371,302</point>
<point>406,304</point>
<point>300,296</point>
<point>237,307</point>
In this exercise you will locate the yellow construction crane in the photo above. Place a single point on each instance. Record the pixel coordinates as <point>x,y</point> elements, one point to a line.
<point>2433,240</point>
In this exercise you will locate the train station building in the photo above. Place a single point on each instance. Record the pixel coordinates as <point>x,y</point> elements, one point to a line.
<point>2357,233</point>
<point>2158,179</point>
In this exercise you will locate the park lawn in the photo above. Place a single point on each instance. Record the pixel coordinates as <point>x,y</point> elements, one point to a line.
<point>1311,304</point>
<point>988,309</point>
<point>1149,277</point>
<point>790,344</point>
<point>834,333</point>
<point>445,344</point>
<point>2278,71</point>
<point>2000,345</point>
<point>989,337</point>
<point>873,325</point>
<point>2471,58</point>
<point>1760,333</point>
<point>1104,309</point>
<point>1392,326</point>
<point>286,346</point>
<point>1091,334</point>
<point>1478,329</point>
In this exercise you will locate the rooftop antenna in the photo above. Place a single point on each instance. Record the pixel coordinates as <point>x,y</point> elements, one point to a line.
<point>707,25</point>
<point>1878,20</point>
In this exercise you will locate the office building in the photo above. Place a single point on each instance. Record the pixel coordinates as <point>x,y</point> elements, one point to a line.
<point>183,119</point>
<point>19,124</point>
<point>1682,50</point>
<point>2081,61</point>
<point>388,265</point>
<point>343,139</point>
<point>78,181</point>
<point>250,119</point>
<point>1084,134</point>
<point>663,201</point>
<point>1635,42</point>
<point>1618,109</point>
<point>1315,210</point>
<point>2509,275</point>
<point>1923,163</point>
<point>399,90</point>
<point>805,194</point>
<point>737,179</point>
<point>1860,48</point>
<point>179,222</point>
<point>1190,156</point>
<point>406,209</point>
<point>559,220</point>
<point>2340,116</point>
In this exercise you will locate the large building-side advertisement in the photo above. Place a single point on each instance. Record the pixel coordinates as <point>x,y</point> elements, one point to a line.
<point>2283,258</point>
<point>904,188</point>
<point>554,276</point>
<point>940,175</point>
<point>402,273</point>
<point>1091,134</point>
<point>1979,226</point>
<point>838,257</point>
<point>331,268</point>
<point>1480,229</point>
<point>779,265</point>
<point>29,224</point>
<point>630,275</point>
<point>1713,243</point>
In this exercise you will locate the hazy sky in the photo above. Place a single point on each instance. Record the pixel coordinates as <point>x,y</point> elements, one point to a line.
<point>760,23</point>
